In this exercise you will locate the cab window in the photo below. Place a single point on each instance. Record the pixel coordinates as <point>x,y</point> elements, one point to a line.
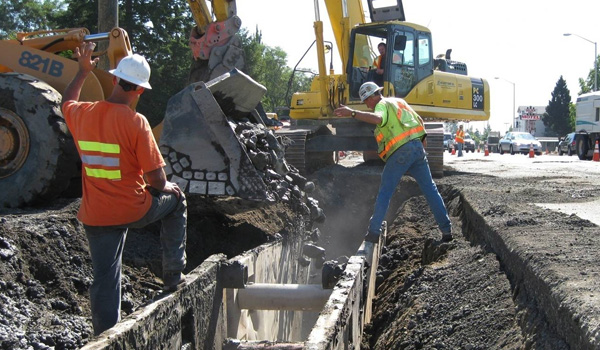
<point>424,44</point>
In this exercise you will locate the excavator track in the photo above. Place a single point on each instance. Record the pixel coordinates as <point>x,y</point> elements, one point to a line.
<point>295,153</point>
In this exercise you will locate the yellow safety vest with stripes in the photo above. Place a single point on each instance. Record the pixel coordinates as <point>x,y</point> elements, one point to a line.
<point>100,160</point>
<point>400,125</point>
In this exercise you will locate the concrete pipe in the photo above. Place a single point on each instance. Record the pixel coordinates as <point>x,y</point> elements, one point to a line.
<point>295,297</point>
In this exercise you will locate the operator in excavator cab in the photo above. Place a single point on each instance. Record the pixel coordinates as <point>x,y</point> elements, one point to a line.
<point>400,134</point>
<point>379,64</point>
<point>119,156</point>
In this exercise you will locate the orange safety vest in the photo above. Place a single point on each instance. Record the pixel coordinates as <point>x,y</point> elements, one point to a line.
<point>460,136</point>
<point>397,131</point>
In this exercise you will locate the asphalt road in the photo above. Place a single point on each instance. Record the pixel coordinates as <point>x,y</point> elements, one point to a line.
<point>552,166</point>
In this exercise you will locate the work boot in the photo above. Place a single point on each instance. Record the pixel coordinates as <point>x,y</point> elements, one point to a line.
<point>172,280</point>
<point>447,236</point>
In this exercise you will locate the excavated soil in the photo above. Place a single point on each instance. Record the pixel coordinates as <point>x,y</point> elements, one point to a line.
<point>430,295</point>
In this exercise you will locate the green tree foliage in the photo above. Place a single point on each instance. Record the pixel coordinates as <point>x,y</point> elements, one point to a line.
<point>572,116</point>
<point>557,117</point>
<point>27,16</point>
<point>587,85</point>
<point>267,65</point>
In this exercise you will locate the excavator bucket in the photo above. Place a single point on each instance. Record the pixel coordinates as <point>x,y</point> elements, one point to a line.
<point>214,142</point>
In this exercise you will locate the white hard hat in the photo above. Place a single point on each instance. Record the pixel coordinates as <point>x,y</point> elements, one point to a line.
<point>367,89</point>
<point>134,69</point>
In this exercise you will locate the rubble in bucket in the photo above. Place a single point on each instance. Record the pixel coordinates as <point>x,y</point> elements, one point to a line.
<point>215,143</point>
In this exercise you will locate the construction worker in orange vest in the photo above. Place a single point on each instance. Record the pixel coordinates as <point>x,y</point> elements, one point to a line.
<point>400,134</point>
<point>460,140</point>
<point>124,183</point>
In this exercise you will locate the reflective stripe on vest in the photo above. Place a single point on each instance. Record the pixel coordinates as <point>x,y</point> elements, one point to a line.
<point>95,165</point>
<point>99,147</point>
<point>399,138</point>
<point>397,131</point>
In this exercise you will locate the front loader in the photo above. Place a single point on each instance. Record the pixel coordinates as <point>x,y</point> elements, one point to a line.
<point>213,139</point>
<point>38,159</point>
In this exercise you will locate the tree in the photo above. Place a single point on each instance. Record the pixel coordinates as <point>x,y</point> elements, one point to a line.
<point>27,16</point>
<point>572,115</point>
<point>267,65</point>
<point>557,118</point>
<point>587,85</point>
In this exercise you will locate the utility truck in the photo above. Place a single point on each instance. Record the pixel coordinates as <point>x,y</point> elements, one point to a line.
<point>587,124</point>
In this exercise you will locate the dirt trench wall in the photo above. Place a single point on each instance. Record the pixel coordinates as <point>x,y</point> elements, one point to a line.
<point>550,282</point>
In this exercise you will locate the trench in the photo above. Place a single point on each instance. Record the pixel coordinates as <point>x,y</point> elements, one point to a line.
<point>468,294</point>
<point>431,295</point>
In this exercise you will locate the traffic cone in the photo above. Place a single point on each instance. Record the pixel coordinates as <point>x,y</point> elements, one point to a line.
<point>453,150</point>
<point>531,153</point>
<point>596,157</point>
<point>486,150</point>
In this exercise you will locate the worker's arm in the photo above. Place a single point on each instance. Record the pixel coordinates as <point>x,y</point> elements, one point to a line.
<point>158,180</point>
<point>367,117</point>
<point>86,65</point>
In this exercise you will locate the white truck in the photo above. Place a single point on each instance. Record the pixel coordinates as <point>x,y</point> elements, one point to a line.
<point>587,124</point>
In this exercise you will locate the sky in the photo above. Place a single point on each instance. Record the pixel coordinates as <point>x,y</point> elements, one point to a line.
<point>521,43</point>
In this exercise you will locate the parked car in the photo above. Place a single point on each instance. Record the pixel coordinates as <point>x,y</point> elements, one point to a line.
<point>519,142</point>
<point>448,141</point>
<point>469,143</point>
<point>567,145</point>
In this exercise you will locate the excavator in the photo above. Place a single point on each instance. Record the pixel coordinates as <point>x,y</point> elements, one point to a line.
<point>437,88</point>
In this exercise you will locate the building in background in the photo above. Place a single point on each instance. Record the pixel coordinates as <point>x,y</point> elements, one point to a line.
<point>529,119</point>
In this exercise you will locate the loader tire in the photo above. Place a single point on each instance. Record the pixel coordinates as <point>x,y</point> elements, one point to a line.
<point>38,158</point>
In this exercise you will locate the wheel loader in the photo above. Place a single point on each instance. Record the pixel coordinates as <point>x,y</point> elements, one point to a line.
<point>213,140</point>
<point>38,159</point>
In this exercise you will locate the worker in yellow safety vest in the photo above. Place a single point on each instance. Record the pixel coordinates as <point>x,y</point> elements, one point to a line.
<point>460,140</point>
<point>400,135</point>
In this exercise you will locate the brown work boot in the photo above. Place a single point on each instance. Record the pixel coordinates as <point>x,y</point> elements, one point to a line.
<point>172,280</point>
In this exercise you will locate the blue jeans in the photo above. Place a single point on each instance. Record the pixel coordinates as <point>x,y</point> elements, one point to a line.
<point>106,247</point>
<point>411,159</point>
<point>459,147</point>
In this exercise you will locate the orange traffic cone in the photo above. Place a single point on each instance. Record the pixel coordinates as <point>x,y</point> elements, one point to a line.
<point>453,150</point>
<point>531,153</point>
<point>486,150</point>
<point>596,157</point>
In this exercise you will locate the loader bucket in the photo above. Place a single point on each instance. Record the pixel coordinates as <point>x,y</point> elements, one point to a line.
<point>204,155</point>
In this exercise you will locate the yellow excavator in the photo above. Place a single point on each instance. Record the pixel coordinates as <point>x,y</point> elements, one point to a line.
<point>438,88</point>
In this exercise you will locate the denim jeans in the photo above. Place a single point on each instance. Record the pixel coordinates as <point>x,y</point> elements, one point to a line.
<point>459,147</point>
<point>106,247</point>
<point>411,159</point>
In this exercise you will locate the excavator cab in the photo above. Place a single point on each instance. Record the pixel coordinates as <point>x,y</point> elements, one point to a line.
<point>436,87</point>
<point>406,62</point>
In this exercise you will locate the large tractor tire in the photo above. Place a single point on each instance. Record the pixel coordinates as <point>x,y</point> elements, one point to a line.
<point>38,158</point>
<point>582,147</point>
